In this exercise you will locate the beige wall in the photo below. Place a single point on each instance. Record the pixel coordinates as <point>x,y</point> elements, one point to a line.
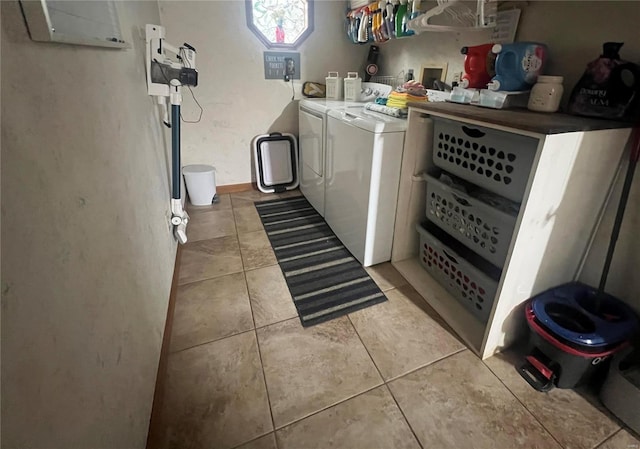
<point>239,103</point>
<point>574,32</point>
<point>86,247</point>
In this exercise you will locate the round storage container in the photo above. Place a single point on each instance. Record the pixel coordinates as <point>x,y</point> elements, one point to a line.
<point>546,94</point>
<point>201,183</point>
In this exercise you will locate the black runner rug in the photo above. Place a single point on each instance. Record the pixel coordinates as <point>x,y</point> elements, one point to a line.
<point>324,279</point>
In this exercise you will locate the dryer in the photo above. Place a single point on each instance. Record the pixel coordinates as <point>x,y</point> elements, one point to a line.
<point>312,122</point>
<point>312,126</point>
<point>363,160</point>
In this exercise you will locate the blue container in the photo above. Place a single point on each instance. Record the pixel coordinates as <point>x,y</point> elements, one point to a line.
<point>517,65</point>
<point>569,338</point>
<point>568,311</point>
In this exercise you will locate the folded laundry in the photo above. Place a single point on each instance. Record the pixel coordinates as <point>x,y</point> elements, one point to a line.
<point>400,99</point>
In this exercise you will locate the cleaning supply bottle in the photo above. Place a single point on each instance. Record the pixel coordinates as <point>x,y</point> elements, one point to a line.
<point>400,18</point>
<point>390,20</point>
<point>517,65</point>
<point>415,9</point>
<point>407,17</point>
<point>479,66</point>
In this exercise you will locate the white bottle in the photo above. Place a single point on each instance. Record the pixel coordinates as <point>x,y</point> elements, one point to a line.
<point>546,94</point>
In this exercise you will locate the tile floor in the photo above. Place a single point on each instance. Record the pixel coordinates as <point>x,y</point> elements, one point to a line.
<point>243,373</point>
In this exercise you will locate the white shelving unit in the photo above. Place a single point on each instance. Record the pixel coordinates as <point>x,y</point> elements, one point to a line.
<point>574,165</point>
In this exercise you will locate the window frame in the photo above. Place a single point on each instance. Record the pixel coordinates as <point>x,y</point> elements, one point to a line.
<point>267,43</point>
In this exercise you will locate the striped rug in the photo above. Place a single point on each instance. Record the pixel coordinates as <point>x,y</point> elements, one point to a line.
<point>324,279</point>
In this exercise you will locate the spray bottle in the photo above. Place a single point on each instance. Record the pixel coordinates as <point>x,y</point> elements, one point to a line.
<point>400,18</point>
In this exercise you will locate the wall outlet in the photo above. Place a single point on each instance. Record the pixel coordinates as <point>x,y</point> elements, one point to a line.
<point>289,68</point>
<point>457,76</point>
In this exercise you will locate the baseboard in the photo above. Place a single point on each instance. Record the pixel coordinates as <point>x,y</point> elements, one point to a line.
<point>236,188</point>
<point>154,437</point>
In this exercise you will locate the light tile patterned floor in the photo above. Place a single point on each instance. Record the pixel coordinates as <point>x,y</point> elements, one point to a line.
<point>243,373</point>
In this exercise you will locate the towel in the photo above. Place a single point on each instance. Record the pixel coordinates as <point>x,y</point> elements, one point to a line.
<point>393,112</point>
<point>400,99</point>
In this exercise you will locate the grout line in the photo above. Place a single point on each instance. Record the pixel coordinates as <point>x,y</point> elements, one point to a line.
<point>266,388</point>
<point>210,341</point>
<point>264,376</point>
<point>433,362</point>
<point>404,416</point>
<point>278,322</point>
<point>257,438</point>
<point>265,266</point>
<point>385,381</point>
<point>208,279</point>
<point>607,438</point>
<point>523,405</point>
<point>330,406</point>
<point>366,349</point>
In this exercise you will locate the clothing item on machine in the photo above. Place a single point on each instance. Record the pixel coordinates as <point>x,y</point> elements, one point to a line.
<point>388,110</point>
<point>409,91</point>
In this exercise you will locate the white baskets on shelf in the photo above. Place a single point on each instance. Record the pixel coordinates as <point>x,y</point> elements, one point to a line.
<point>495,160</point>
<point>474,285</point>
<point>481,227</point>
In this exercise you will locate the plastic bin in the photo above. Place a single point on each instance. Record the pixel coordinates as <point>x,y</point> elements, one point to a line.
<point>481,227</point>
<point>621,390</point>
<point>551,363</point>
<point>352,87</point>
<point>456,268</point>
<point>201,183</point>
<point>334,83</point>
<point>498,161</point>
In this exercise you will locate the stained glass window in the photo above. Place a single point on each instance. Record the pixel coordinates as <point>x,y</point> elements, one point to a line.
<point>280,23</point>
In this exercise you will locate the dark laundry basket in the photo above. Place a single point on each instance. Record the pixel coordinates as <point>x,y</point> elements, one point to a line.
<point>569,340</point>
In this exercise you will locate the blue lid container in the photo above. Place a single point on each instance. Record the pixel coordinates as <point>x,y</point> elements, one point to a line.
<point>569,311</point>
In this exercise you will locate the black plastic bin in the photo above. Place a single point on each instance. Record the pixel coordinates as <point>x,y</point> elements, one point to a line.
<point>552,363</point>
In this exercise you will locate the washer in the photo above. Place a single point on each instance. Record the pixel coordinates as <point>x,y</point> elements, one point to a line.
<point>363,159</point>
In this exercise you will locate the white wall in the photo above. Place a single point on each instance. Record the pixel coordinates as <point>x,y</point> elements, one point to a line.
<point>239,103</point>
<point>87,251</point>
<point>574,32</point>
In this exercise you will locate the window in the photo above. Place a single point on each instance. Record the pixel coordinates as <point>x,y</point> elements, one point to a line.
<point>280,23</point>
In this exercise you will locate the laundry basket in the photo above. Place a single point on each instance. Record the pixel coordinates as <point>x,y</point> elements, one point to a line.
<point>496,160</point>
<point>457,270</point>
<point>276,162</point>
<point>483,228</point>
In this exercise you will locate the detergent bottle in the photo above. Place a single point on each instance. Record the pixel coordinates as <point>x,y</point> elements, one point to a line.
<point>400,18</point>
<point>517,65</point>
<point>479,66</point>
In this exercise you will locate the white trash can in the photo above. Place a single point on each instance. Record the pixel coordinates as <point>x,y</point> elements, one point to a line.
<point>201,183</point>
